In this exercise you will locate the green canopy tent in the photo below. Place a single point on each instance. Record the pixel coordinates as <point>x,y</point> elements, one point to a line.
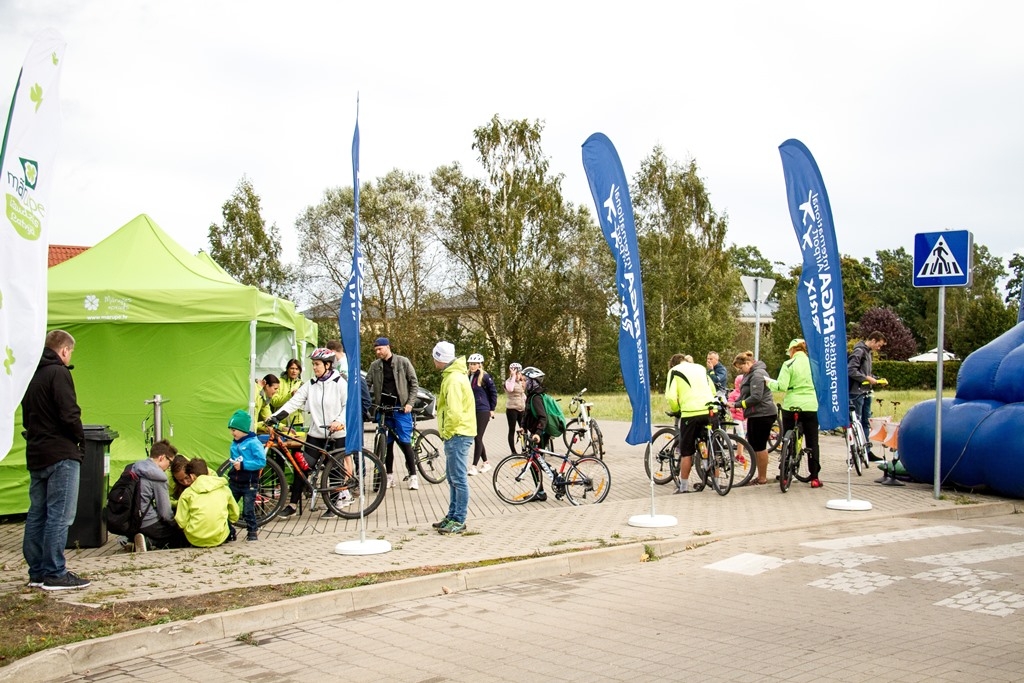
<point>150,318</point>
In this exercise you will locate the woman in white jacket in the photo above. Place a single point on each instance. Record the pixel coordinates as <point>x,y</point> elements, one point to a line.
<point>324,398</point>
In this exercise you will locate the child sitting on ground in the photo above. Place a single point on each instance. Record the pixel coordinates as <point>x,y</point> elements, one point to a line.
<point>248,460</point>
<point>206,508</point>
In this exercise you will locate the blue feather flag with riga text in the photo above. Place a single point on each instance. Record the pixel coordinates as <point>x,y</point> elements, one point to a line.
<point>349,316</point>
<point>820,292</point>
<point>610,190</point>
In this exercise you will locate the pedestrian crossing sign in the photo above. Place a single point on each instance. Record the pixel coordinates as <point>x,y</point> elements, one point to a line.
<point>943,259</point>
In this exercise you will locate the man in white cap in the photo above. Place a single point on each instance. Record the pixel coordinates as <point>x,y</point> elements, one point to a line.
<point>456,421</point>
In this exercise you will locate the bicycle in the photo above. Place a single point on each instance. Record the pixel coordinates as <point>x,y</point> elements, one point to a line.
<point>426,445</point>
<point>335,474</point>
<point>582,433</point>
<point>775,435</point>
<point>792,455</point>
<point>856,444</point>
<point>856,440</point>
<point>714,461</point>
<point>584,481</point>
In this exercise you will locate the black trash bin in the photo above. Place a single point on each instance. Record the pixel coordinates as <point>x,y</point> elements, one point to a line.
<point>90,528</point>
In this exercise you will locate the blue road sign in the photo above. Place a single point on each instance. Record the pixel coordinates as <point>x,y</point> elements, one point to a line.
<point>943,259</point>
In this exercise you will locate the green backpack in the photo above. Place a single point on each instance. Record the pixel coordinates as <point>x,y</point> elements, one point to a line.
<point>556,420</point>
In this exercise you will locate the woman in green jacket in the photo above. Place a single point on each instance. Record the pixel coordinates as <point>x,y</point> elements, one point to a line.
<point>800,398</point>
<point>291,380</point>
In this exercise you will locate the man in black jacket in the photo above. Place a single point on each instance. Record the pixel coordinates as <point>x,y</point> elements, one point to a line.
<point>53,456</point>
<point>858,367</point>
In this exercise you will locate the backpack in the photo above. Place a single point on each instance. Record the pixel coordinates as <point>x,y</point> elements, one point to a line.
<point>123,512</point>
<point>556,419</point>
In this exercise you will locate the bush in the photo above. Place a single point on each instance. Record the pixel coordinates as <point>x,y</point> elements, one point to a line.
<point>905,375</point>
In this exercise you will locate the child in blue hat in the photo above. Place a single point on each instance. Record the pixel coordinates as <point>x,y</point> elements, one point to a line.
<point>248,460</point>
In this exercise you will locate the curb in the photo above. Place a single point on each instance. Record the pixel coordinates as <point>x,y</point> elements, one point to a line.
<point>81,657</point>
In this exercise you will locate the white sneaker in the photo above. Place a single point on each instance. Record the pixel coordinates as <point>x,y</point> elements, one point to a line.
<point>472,472</point>
<point>140,543</point>
<point>391,481</point>
<point>486,467</point>
<point>414,482</point>
<point>344,499</point>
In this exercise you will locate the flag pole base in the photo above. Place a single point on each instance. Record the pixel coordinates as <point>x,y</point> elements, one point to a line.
<point>848,504</point>
<point>652,521</point>
<point>372,547</point>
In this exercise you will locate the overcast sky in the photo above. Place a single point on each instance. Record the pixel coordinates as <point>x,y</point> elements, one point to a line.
<point>913,110</point>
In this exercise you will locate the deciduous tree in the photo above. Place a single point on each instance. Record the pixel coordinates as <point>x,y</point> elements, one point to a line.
<point>244,246</point>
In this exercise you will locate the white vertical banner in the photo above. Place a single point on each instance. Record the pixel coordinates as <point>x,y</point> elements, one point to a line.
<point>26,173</point>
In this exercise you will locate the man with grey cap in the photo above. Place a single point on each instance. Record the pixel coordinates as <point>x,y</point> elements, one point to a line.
<point>456,421</point>
<point>393,384</point>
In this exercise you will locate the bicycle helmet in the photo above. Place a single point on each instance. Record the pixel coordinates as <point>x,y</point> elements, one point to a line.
<point>475,358</point>
<point>515,367</point>
<point>324,355</point>
<point>533,373</point>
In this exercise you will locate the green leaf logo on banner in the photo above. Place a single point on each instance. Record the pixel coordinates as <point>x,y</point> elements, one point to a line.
<point>36,95</point>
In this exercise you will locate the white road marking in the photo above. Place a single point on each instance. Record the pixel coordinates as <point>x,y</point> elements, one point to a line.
<point>973,556</point>
<point>997,603</point>
<point>855,581</point>
<point>889,537</point>
<point>748,564</point>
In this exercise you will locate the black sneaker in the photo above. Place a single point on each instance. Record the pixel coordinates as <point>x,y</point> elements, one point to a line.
<point>328,514</point>
<point>540,497</point>
<point>288,511</point>
<point>69,581</point>
<point>438,525</point>
<point>252,536</point>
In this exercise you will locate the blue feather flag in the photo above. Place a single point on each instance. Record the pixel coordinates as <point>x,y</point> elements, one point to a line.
<point>349,316</point>
<point>820,292</point>
<point>610,191</point>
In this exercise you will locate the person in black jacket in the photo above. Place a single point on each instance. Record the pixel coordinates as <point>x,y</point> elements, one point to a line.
<point>535,419</point>
<point>858,368</point>
<point>53,455</point>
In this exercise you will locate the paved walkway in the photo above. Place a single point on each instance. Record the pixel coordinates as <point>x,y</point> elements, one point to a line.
<point>903,599</point>
<point>302,549</point>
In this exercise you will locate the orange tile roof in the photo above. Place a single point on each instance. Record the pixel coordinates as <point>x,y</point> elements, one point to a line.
<point>59,253</point>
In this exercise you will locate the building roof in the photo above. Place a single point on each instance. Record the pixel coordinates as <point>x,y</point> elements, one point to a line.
<point>59,253</point>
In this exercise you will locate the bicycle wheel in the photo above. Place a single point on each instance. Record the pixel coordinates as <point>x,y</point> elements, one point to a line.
<point>852,450</point>
<point>787,460</point>
<point>430,460</point>
<point>597,439</point>
<point>516,479</point>
<point>587,481</point>
<point>663,447</point>
<point>746,461</point>
<point>775,437</point>
<point>722,462</point>
<point>273,488</point>
<point>342,473</point>
<point>577,437</point>
<point>802,456</point>
<point>701,465</point>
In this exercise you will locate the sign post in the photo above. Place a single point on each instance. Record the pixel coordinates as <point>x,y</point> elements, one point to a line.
<point>942,259</point>
<point>758,289</point>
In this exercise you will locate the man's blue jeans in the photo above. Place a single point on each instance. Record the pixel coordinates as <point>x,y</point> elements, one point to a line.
<point>862,404</point>
<point>52,503</point>
<point>456,454</point>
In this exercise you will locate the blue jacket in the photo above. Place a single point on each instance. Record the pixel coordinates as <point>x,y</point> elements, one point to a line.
<point>485,394</point>
<point>250,451</point>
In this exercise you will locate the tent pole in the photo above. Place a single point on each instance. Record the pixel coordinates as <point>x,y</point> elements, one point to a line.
<point>252,372</point>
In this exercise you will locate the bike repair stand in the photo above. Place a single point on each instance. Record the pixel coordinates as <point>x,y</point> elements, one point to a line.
<point>848,503</point>
<point>373,546</point>
<point>652,521</point>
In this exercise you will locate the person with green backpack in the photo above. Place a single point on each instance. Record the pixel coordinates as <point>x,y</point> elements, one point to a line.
<point>542,420</point>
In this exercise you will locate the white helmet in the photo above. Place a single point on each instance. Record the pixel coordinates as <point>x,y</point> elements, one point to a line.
<point>475,358</point>
<point>533,373</point>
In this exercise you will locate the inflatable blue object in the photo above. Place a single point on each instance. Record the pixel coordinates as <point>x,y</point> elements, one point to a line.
<point>980,446</point>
